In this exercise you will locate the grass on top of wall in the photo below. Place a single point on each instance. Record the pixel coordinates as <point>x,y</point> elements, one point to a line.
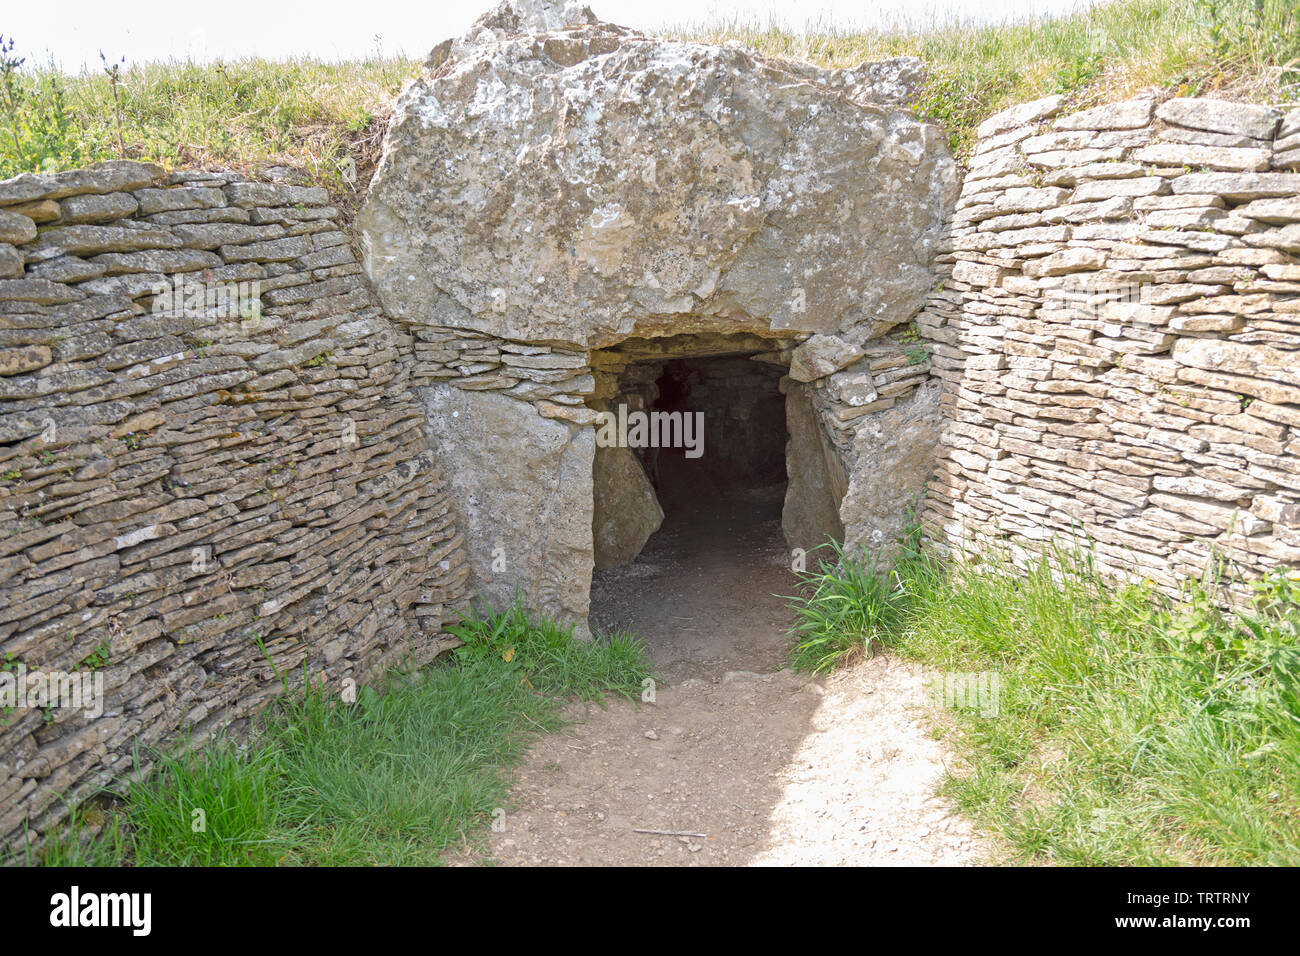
<point>326,118</point>
<point>308,114</point>
<point>1130,729</point>
<point>1239,49</point>
<point>396,778</point>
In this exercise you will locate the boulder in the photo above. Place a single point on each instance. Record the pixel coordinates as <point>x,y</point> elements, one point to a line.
<point>894,454</point>
<point>523,486</point>
<point>626,511</point>
<point>553,178</point>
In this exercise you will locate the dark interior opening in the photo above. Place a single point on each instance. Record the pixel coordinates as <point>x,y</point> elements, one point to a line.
<point>741,465</point>
<point>702,592</point>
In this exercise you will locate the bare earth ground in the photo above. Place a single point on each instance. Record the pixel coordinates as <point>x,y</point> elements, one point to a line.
<point>768,767</point>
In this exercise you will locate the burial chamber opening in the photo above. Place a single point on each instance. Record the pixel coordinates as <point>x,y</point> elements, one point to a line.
<point>689,482</point>
<point>739,458</point>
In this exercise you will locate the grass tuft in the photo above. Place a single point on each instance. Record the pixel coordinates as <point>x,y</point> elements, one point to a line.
<point>1247,49</point>
<point>307,114</point>
<point>845,606</point>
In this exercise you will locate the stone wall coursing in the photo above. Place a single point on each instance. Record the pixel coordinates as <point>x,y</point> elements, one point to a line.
<point>879,410</point>
<point>183,480</point>
<point>1119,340</point>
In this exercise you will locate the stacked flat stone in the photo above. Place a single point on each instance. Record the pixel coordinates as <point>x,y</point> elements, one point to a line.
<point>541,374</point>
<point>1120,337</point>
<point>194,501</point>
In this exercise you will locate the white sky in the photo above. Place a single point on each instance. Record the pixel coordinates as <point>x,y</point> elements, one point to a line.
<point>74,31</point>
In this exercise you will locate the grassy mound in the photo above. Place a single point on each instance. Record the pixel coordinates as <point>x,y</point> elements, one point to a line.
<point>327,119</point>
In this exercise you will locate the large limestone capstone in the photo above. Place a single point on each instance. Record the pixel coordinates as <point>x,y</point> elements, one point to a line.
<point>553,178</point>
<point>523,486</point>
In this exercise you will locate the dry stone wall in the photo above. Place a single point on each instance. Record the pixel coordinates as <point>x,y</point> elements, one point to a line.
<point>213,467</point>
<point>1119,339</point>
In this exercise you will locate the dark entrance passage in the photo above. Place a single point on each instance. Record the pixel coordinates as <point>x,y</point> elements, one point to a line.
<point>700,593</point>
<point>742,456</point>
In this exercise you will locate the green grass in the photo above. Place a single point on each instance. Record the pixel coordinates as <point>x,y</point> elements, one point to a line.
<point>1237,48</point>
<point>304,113</point>
<point>846,607</point>
<point>396,778</point>
<point>321,116</point>
<point>1130,728</point>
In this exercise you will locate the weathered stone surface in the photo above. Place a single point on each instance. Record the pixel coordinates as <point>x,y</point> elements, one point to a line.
<point>523,486</point>
<point>1066,261</point>
<point>626,510</point>
<point>1109,188</point>
<point>16,228</point>
<point>1221,116</point>
<point>1290,124</point>
<point>894,456</point>
<point>1020,115</point>
<point>113,176</point>
<point>97,208</point>
<point>1287,159</point>
<point>689,187</point>
<point>38,291</point>
<point>11,262</point>
<point>41,211</point>
<point>90,240</point>
<point>251,195</point>
<point>157,260</point>
<point>1239,187</point>
<point>17,361</point>
<point>1029,200</point>
<point>1256,361</point>
<point>855,386</point>
<point>1127,115</point>
<point>1215,157</point>
<point>1280,211</point>
<point>181,197</point>
<point>816,478</point>
<point>1287,238</point>
<point>820,356</point>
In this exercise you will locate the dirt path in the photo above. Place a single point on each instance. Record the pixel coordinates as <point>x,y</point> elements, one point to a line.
<point>772,769</point>
<point>702,594</point>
